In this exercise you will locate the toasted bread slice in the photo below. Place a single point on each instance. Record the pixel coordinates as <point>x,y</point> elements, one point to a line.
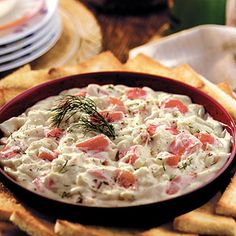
<point>31,225</point>
<point>183,73</point>
<point>165,230</point>
<point>227,203</point>
<point>65,228</point>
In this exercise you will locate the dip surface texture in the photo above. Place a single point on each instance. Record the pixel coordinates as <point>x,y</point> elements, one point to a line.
<point>142,146</point>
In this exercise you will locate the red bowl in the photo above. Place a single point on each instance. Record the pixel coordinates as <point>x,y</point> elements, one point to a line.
<point>151,214</point>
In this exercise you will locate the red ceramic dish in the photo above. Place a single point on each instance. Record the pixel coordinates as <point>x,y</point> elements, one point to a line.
<point>140,215</point>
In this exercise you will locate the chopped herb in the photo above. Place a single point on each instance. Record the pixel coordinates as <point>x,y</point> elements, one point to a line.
<point>62,169</point>
<point>110,87</point>
<point>90,120</point>
<point>172,177</point>
<point>65,195</point>
<point>185,164</point>
<point>163,166</point>
<point>80,198</point>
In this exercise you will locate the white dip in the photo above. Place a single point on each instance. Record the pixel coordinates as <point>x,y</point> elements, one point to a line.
<point>164,146</point>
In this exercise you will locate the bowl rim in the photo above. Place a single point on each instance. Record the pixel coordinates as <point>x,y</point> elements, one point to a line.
<point>52,83</point>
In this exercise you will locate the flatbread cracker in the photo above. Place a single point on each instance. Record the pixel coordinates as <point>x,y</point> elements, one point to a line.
<point>204,221</point>
<point>31,224</point>
<point>227,203</point>
<point>11,86</point>
<point>105,61</point>
<point>220,96</point>
<point>225,86</point>
<point>165,230</point>
<point>8,204</point>
<point>145,64</point>
<point>66,228</point>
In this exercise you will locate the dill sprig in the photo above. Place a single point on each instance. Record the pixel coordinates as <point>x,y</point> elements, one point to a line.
<point>90,119</point>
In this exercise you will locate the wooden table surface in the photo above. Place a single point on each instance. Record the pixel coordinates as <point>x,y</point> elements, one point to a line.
<point>122,32</point>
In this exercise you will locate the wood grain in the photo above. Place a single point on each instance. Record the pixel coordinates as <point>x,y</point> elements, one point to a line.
<point>124,32</point>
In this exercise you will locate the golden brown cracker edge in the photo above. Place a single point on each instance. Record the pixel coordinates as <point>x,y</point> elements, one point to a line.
<point>227,203</point>
<point>66,228</point>
<point>18,82</point>
<point>31,224</point>
<point>165,230</point>
<point>225,86</point>
<point>145,64</point>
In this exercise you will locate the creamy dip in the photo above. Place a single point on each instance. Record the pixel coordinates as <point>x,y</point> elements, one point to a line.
<point>163,146</point>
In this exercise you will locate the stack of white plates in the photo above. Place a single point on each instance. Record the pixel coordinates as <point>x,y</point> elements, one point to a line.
<point>28,29</point>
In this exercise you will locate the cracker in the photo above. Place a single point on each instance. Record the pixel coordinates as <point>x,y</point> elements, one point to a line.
<point>204,221</point>
<point>66,228</point>
<point>8,204</point>
<point>187,75</point>
<point>227,203</point>
<point>18,82</point>
<point>224,99</point>
<point>165,230</point>
<point>200,222</point>
<point>30,224</point>
<point>105,61</point>
<point>183,73</point>
<point>225,86</point>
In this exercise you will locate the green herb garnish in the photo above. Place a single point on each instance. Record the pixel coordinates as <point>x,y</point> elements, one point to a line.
<point>62,169</point>
<point>90,119</point>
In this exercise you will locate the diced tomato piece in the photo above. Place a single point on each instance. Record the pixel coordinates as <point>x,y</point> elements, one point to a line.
<point>205,139</point>
<point>81,94</point>
<point>46,156</point>
<point>8,152</point>
<point>173,160</point>
<point>97,174</point>
<point>180,182</point>
<point>97,143</point>
<point>112,116</point>
<point>151,129</point>
<point>50,183</point>
<point>38,184</point>
<point>125,178</point>
<point>172,130</point>
<point>119,105</point>
<point>56,132</point>
<point>171,103</point>
<point>174,186</point>
<point>135,93</point>
<point>184,143</point>
<point>132,152</point>
<point>131,159</point>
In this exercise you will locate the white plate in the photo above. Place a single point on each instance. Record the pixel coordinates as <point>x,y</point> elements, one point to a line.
<point>209,49</point>
<point>6,7</point>
<point>18,12</point>
<point>30,48</point>
<point>33,55</point>
<point>11,47</point>
<point>40,20</point>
